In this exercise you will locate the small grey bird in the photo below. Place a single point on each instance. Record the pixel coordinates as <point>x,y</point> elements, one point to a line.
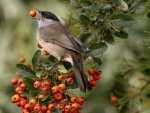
<point>55,38</point>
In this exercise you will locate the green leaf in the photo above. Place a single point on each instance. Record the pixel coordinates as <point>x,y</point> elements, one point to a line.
<point>67,65</point>
<point>85,36</point>
<point>35,59</point>
<point>106,7</point>
<point>25,71</point>
<point>52,58</point>
<point>29,82</point>
<point>101,48</point>
<point>47,99</point>
<point>85,20</point>
<point>121,34</point>
<point>39,72</point>
<point>61,68</point>
<point>85,2</point>
<point>97,60</point>
<point>148,15</point>
<point>109,39</point>
<point>25,93</point>
<point>122,20</point>
<point>57,110</point>
<point>139,8</point>
<point>74,84</point>
<point>34,93</point>
<point>95,7</point>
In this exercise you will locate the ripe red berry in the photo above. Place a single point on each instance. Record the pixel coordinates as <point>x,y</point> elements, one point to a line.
<point>44,108</point>
<point>51,107</point>
<point>81,100</point>
<point>114,99</point>
<point>14,81</point>
<point>69,81</point>
<point>96,77</point>
<point>45,90</point>
<point>60,78</point>
<point>39,46</point>
<point>33,102</point>
<point>37,84</point>
<point>55,89</point>
<point>15,98</point>
<point>18,74</point>
<point>22,60</point>
<point>58,96</point>
<point>41,96</point>
<point>32,13</point>
<point>45,53</point>
<point>91,71</point>
<point>92,83</point>
<point>62,86</point>
<point>37,108</point>
<point>28,107</point>
<point>67,108</point>
<point>73,99</point>
<point>98,72</point>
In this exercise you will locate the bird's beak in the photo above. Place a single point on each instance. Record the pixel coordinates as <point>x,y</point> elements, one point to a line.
<point>39,12</point>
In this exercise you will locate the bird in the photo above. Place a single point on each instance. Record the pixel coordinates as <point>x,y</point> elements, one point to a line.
<point>55,38</point>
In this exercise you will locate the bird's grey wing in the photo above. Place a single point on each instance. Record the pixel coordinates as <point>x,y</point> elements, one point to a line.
<point>61,37</point>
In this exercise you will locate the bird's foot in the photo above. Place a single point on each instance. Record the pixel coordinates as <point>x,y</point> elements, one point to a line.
<point>51,68</point>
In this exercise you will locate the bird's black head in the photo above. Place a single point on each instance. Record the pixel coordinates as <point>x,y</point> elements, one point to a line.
<point>48,15</point>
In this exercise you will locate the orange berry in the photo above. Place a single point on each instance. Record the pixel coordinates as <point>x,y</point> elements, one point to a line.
<point>48,111</point>
<point>98,72</point>
<point>51,107</point>
<point>37,84</point>
<point>23,86</point>
<point>45,90</point>
<point>58,96</point>
<point>114,99</point>
<point>37,108</point>
<point>32,102</point>
<point>39,46</point>
<point>17,89</point>
<point>45,53</point>
<point>62,86</point>
<point>16,98</point>
<point>41,96</point>
<point>32,13</point>
<point>96,77</point>
<point>69,81</point>
<point>91,71</point>
<point>92,83</point>
<point>14,81</point>
<point>28,107</point>
<point>23,103</point>
<point>55,89</point>
<point>43,108</point>
<point>73,99</point>
<point>20,81</point>
<point>75,106</point>
<point>80,101</point>
<point>18,74</point>
<point>22,60</point>
<point>60,78</point>
<point>67,108</point>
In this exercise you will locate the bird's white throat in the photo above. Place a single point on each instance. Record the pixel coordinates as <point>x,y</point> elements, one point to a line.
<point>45,22</point>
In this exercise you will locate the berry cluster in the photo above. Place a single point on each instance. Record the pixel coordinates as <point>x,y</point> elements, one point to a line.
<point>95,76</point>
<point>49,92</point>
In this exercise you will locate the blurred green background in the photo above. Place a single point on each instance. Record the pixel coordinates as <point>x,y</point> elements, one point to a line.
<point>18,39</point>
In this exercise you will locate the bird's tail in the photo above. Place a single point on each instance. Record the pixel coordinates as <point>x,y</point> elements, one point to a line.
<point>80,75</point>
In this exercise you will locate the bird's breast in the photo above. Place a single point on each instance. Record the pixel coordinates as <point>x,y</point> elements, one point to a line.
<point>59,52</point>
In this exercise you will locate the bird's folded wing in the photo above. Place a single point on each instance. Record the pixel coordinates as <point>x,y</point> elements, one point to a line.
<point>59,35</point>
